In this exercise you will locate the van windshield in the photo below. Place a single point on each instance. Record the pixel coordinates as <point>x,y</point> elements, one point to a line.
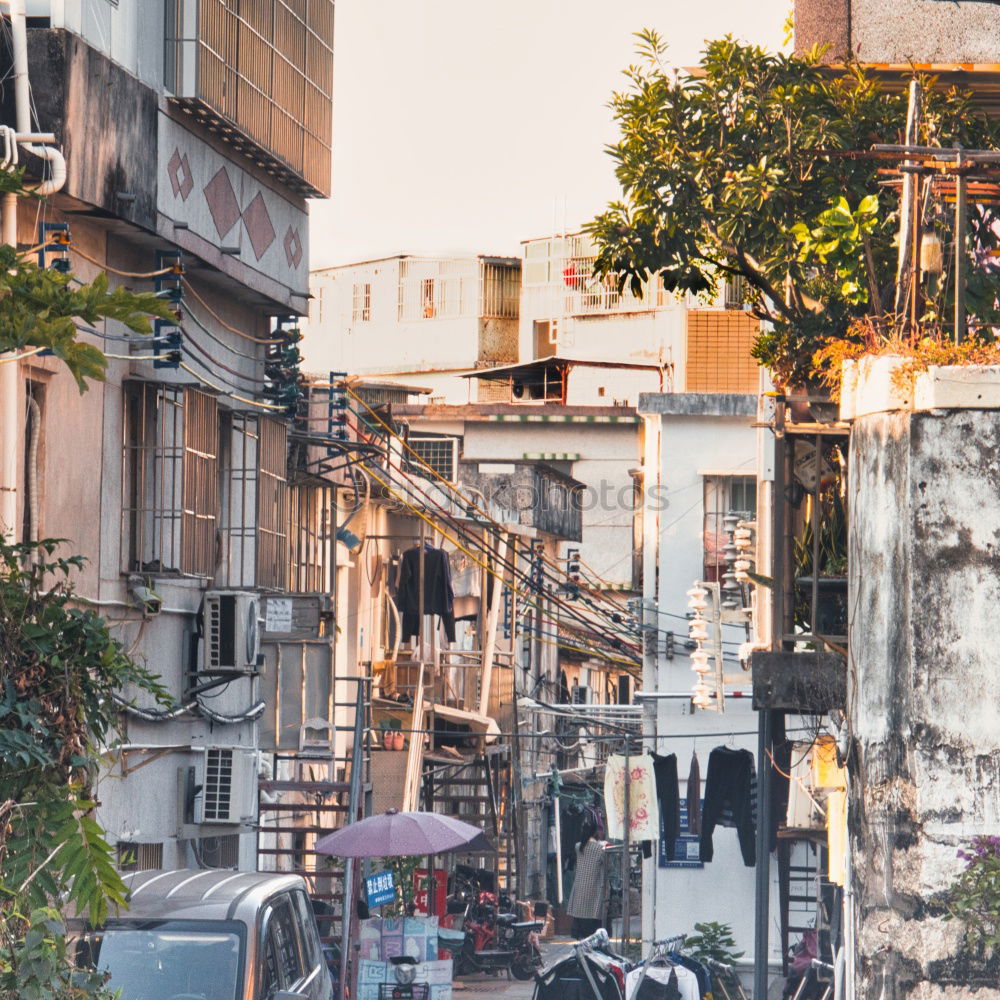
<point>166,959</point>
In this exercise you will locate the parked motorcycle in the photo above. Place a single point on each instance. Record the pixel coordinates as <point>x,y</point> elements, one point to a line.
<point>494,942</point>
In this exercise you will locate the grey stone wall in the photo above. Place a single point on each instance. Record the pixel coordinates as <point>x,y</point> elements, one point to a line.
<point>923,691</point>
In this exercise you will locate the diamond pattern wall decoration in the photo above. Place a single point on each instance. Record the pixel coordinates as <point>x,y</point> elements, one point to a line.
<point>258,224</point>
<point>293,248</point>
<point>222,202</point>
<point>179,172</point>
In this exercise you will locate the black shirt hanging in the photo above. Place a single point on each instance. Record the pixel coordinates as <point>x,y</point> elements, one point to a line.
<point>439,597</point>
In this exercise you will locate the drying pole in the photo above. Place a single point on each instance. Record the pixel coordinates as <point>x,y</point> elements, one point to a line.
<point>627,820</point>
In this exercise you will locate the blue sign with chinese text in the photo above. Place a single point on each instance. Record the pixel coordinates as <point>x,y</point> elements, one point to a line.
<point>380,888</point>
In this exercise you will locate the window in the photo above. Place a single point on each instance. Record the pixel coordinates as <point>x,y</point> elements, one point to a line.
<point>734,292</point>
<point>724,495</point>
<point>440,453</point>
<point>310,539</point>
<point>170,480</point>
<point>361,311</point>
<point>220,852</point>
<point>139,857</point>
<point>501,291</point>
<point>254,491</point>
<point>272,506</point>
<point>718,351</point>
<point>283,963</point>
<point>427,297</point>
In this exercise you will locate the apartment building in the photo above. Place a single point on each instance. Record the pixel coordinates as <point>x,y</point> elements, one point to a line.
<point>415,320</point>
<point>193,135</point>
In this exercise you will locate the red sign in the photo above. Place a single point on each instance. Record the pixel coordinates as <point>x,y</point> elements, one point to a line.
<point>440,890</point>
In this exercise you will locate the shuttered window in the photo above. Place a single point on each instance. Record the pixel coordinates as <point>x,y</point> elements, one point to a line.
<point>718,351</point>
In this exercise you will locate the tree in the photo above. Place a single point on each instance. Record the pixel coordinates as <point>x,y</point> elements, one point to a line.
<point>741,168</point>
<point>43,308</point>
<point>60,675</point>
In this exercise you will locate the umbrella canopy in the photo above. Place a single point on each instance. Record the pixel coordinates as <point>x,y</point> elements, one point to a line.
<point>403,834</point>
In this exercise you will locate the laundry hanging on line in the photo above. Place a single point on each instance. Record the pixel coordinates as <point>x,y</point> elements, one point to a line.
<point>730,801</point>
<point>643,809</point>
<point>439,597</point>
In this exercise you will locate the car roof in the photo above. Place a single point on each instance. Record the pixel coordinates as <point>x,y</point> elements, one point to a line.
<point>209,894</point>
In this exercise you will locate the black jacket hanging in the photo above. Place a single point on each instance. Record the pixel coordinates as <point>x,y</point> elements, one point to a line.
<point>730,800</point>
<point>439,598</point>
<point>665,771</point>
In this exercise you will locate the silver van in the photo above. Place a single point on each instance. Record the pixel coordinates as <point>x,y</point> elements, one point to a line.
<point>209,935</point>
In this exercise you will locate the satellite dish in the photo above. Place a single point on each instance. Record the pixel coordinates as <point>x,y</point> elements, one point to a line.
<point>517,390</point>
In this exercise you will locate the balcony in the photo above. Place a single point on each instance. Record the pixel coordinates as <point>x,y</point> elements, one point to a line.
<point>533,494</point>
<point>260,78</point>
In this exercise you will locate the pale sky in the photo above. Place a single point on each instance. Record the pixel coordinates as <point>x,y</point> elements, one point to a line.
<point>466,126</point>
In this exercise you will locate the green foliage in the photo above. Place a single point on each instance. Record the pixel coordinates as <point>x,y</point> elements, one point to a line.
<point>734,170</point>
<point>975,896</point>
<point>713,941</point>
<point>41,308</point>
<point>60,672</point>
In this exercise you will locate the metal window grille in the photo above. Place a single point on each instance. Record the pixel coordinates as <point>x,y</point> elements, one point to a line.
<point>440,453</point>
<point>501,291</point>
<point>272,505</point>
<point>238,563</point>
<point>311,539</point>
<point>723,495</point>
<point>254,529</point>
<point>361,311</point>
<point>431,289</point>
<point>170,499</point>
<point>734,292</point>
<point>220,852</point>
<point>132,857</point>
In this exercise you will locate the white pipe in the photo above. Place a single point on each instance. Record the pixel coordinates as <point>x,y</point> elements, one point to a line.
<point>130,607</point>
<point>22,103</point>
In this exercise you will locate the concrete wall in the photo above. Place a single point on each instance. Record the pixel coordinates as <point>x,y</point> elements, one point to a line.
<point>922,31</point>
<point>923,689</point>
<point>385,344</point>
<point>688,437</point>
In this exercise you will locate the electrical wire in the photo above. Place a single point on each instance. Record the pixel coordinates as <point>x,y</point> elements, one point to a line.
<point>231,395</point>
<point>615,644</point>
<point>201,326</point>
<point>114,270</point>
<point>232,329</point>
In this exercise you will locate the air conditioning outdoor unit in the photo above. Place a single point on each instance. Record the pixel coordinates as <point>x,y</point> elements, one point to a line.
<point>228,782</point>
<point>232,633</point>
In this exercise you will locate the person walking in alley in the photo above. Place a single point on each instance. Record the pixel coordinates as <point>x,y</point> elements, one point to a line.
<point>587,903</point>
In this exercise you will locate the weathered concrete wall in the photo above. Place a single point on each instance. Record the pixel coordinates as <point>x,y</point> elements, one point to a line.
<point>923,690</point>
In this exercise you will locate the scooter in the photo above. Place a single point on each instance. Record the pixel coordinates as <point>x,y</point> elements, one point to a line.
<point>497,942</point>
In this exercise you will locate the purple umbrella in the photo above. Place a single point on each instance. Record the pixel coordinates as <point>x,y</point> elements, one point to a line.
<point>403,834</point>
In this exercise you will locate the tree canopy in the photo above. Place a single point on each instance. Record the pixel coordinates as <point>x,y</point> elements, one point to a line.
<point>741,167</point>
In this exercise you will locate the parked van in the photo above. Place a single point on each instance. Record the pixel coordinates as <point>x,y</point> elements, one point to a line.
<point>210,935</point>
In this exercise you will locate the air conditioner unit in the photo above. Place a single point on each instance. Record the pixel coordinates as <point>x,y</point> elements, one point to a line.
<point>579,694</point>
<point>232,634</point>
<point>228,779</point>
